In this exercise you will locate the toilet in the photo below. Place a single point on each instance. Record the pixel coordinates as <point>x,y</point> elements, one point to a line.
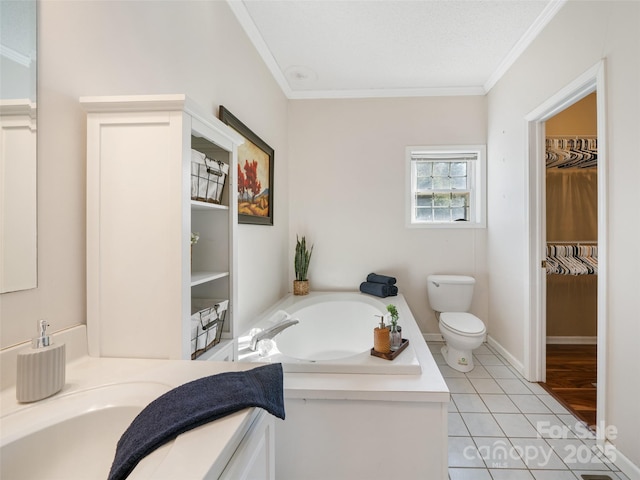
<point>450,296</point>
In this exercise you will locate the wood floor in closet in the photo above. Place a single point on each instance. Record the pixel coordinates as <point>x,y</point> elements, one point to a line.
<point>571,378</point>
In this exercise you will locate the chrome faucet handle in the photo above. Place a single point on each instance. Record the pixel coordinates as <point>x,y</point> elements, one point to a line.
<point>272,331</point>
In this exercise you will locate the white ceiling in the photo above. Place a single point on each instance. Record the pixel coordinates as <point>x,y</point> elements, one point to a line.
<point>371,48</point>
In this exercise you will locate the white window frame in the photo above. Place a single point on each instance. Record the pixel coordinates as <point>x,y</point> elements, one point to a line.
<point>478,185</point>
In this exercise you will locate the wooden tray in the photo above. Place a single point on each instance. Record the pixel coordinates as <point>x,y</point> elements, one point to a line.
<point>391,355</point>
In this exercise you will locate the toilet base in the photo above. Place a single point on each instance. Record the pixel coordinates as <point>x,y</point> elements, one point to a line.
<point>460,360</point>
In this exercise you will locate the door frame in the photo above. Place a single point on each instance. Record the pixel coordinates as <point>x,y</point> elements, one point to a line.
<point>593,80</point>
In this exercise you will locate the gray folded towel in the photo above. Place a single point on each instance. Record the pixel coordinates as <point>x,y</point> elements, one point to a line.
<point>193,404</point>
<point>375,278</point>
<point>378,289</point>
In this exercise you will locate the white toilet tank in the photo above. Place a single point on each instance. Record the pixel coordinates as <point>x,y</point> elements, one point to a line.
<point>450,293</point>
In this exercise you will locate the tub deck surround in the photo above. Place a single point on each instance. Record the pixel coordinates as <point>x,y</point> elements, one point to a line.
<point>346,418</point>
<point>336,379</point>
<point>95,383</point>
<point>334,335</point>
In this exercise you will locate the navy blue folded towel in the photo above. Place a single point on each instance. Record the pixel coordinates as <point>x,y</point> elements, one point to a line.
<point>193,404</point>
<point>378,289</point>
<point>375,278</point>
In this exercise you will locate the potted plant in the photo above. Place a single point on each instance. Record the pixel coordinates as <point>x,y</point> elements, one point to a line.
<point>301,266</point>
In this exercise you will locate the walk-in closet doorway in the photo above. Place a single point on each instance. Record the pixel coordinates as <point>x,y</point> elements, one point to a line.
<point>592,81</point>
<point>571,197</point>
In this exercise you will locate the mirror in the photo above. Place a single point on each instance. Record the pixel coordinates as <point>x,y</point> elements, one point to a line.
<point>18,163</point>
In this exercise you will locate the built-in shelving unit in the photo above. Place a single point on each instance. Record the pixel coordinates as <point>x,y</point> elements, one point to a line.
<point>143,274</point>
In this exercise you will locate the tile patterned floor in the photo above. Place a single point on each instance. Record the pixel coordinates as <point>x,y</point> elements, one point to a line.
<point>502,427</point>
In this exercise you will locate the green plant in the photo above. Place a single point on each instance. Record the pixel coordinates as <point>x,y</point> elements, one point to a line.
<point>393,311</point>
<point>302,259</point>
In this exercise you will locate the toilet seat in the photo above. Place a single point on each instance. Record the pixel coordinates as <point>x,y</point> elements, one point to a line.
<point>462,323</point>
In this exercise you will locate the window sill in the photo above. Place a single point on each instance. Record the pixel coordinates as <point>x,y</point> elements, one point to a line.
<point>451,225</point>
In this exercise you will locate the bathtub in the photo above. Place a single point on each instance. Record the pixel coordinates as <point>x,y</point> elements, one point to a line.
<point>334,335</point>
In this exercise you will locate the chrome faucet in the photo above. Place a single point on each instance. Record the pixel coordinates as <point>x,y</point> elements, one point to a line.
<point>272,331</point>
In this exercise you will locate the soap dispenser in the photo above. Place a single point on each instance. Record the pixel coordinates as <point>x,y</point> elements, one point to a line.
<point>381,339</point>
<point>41,368</point>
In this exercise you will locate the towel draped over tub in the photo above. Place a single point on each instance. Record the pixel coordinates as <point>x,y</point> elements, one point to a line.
<point>193,404</point>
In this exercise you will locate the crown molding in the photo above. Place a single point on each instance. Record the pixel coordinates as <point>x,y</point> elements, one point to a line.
<point>246,22</point>
<point>387,93</point>
<point>529,36</point>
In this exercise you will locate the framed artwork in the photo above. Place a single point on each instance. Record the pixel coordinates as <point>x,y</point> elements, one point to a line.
<point>255,174</point>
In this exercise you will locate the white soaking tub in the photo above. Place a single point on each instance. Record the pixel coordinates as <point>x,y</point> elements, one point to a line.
<point>334,335</point>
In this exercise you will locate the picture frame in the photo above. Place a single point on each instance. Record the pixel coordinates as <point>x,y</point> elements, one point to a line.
<point>255,174</point>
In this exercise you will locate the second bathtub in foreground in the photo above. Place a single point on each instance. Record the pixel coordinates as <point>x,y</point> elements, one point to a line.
<point>334,335</point>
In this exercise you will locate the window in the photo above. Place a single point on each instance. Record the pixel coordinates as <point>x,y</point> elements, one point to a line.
<point>446,186</point>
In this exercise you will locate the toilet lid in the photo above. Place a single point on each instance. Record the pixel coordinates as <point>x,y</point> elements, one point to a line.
<point>462,322</point>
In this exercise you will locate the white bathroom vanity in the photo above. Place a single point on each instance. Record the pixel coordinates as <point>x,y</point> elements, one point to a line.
<point>74,433</point>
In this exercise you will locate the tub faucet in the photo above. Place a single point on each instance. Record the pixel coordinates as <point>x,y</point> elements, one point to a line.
<point>272,331</point>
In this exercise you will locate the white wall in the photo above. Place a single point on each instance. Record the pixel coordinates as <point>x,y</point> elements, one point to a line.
<point>120,48</point>
<point>578,37</point>
<point>347,178</point>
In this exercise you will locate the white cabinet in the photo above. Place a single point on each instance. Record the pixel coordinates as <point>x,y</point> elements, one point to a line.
<point>254,459</point>
<point>141,277</point>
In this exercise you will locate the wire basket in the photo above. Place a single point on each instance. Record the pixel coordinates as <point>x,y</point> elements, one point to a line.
<point>206,324</point>
<point>208,177</point>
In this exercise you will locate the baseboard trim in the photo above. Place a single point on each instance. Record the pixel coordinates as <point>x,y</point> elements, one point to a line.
<point>560,340</point>
<point>432,337</point>
<point>625,465</point>
<point>436,337</point>
<point>506,354</point>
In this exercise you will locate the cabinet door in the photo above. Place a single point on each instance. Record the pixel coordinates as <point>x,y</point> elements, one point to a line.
<point>254,458</point>
<point>134,233</point>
